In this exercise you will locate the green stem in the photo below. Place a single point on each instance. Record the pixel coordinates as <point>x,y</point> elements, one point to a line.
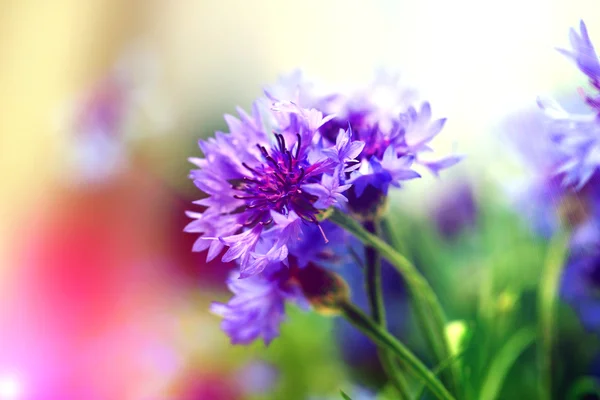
<point>427,307</point>
<point>384,339</point>
<point>424,318</point>
<point>376,304</point>
<point>547,295</point>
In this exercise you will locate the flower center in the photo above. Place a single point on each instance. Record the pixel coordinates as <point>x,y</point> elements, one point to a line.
<point>276,185</point>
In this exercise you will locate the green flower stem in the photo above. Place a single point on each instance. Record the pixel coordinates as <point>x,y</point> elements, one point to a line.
<point>377,307</point>
<point>426,320</point>
<point>547,295</point>
<point>387,341</point>
<point>428,310</point>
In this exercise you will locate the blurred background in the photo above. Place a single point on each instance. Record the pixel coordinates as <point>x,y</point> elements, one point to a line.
<point>103,102</point>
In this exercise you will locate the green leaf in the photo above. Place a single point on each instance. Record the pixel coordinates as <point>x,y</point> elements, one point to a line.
<point>548,293</point>
<point>504,360</point>
<point>344,395</point>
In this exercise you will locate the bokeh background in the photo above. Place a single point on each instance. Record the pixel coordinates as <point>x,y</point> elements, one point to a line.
<point>100,294</point>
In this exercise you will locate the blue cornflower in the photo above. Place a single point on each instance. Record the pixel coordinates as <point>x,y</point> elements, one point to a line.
<point>577,136</point>
<point>269,177</point>
<point>260,184</point>
<point>542,197</point>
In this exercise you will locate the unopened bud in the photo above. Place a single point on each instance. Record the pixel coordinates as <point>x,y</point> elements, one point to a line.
<point>325,290</point>
<point>370,206</point>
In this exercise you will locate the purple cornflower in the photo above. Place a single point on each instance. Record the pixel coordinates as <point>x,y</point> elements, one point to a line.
<point>577,136</point>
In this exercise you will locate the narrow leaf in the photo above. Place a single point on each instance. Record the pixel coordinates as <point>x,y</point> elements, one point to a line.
<point>504,360</point>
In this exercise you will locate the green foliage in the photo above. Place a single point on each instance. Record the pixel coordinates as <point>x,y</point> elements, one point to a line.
<point>344,395</point>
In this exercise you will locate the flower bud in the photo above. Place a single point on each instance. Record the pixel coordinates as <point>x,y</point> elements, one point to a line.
<point>325,290</point>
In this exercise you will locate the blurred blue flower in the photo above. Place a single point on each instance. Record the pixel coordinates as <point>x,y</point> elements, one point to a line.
<point>456,210</point>
<point>257,377</point>
<point>577,136</point>
<point>581,287</point>
<point>542,197</point>
<point>356,393</point>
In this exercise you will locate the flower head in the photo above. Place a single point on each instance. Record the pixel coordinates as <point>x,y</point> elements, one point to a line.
<point>263,185</point>
<point>543,198</point>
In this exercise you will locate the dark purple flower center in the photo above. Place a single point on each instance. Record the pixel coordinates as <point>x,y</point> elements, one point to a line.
<point>375,141</point>
<point>276,185</point>
<point>356,119</point>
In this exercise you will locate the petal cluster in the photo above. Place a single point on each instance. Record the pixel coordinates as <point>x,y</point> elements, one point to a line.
<point>257,307</point>
<point>394,135</point>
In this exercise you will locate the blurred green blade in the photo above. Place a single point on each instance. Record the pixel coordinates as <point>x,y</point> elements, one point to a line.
<point>548,293</point>
<point>504,360</point>
<point>584,386</point>
<point>344,395</point>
